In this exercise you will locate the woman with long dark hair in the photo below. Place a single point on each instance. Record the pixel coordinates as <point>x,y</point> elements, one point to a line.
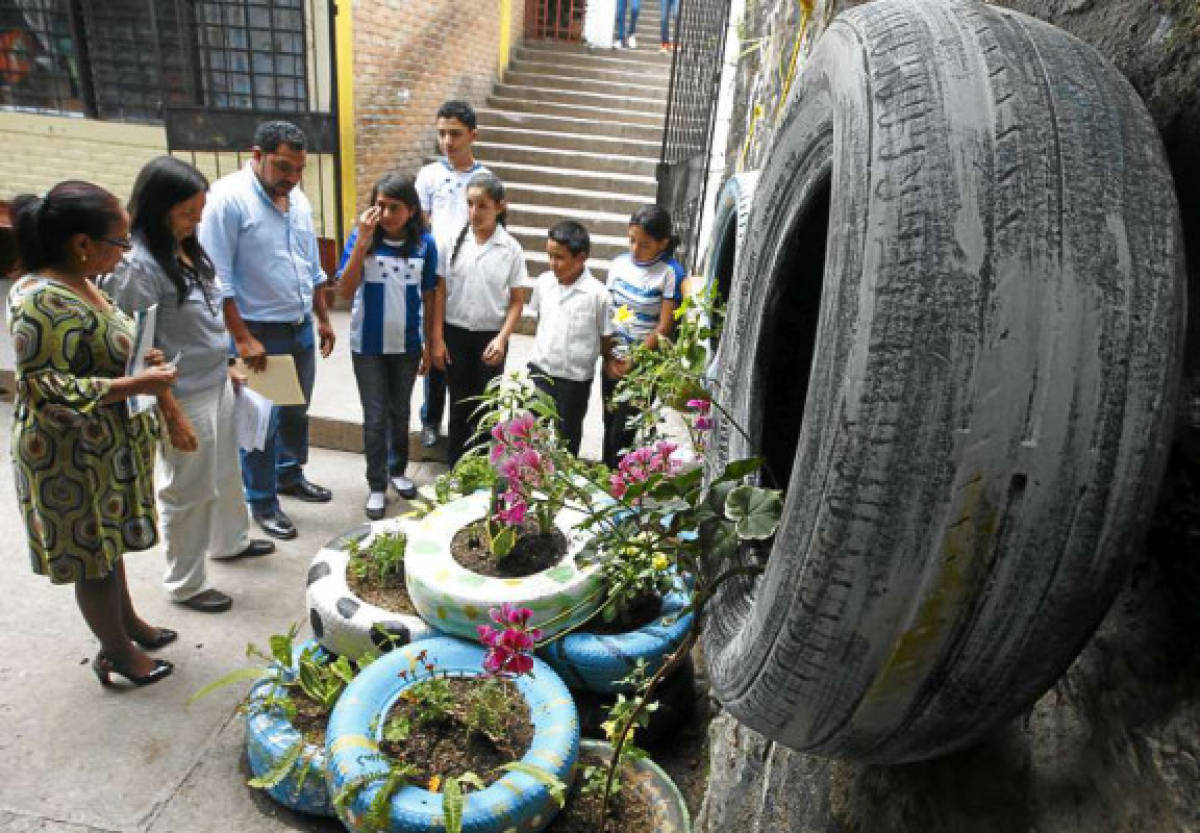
<point>389,268</point>
<point>83,465</point>
<point>203,510</point>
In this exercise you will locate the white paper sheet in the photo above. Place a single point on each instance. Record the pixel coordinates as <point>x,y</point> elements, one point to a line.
<point>143,340</point>
<point>251,419</point>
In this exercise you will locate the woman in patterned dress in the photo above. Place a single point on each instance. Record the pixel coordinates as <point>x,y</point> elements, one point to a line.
<point>83,466</point>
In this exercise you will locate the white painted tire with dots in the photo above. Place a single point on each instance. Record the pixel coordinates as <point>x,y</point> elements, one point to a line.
<point>456,600</point>
<point>342,622</point>
<point>955,335</point>
<point>731,220</point>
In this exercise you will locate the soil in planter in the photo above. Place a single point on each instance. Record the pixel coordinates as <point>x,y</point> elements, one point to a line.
<point>534,552</point>
<point>310,719</point>
<point>628,810</point>
<point>447,749</point>
<point>391,594</point>
<point>644,610</point>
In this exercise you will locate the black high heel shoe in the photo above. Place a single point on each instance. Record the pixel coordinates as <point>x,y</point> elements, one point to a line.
<point>104,666</point>
<point>165,637</point>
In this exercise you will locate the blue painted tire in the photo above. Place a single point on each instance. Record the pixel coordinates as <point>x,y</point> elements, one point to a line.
<point>515,802</point>
<point>269,735</point>
<point>595,662</point>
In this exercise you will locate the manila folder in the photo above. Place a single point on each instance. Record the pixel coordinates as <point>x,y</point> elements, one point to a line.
<point>278,382</point>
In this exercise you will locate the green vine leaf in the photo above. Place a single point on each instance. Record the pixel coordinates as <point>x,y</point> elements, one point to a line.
<point>755,510</point>
<point>275,775</point>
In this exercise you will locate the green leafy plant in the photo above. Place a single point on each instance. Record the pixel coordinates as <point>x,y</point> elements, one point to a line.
<point>381,562</point>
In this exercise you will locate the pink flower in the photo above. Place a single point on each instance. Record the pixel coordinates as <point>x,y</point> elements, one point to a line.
<point>510,648</point>
<point>702,423</point>
<point>616,485</point>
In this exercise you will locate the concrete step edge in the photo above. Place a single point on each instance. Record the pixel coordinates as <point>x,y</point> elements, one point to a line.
<point>483,147</point>
<point>639,179</point>
<point>621,102</point>
<point>643,113</point>
<point>566,213</point>
<point>535,132</point>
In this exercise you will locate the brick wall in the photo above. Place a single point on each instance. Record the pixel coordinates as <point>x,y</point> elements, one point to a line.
<point>408,59</point>
<point>40,151</point>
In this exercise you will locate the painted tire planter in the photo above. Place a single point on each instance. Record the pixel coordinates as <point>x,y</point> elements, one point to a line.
<point>269,735</point>
<point>342,622</point>
<point>669,812</point>
<point>955,335</point>
<point>730,222</point>
<point>515,802</point>
<point>456,600</point>
<point>598,662</point>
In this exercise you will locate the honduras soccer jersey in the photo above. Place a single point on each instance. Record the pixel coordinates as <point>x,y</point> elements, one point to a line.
<point>387,313</point>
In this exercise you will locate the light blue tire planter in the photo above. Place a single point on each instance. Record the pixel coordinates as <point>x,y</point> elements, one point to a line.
<point>598,662</point>
<point>668,810</point>
<point>455,600</point>
<point>516,802</point>
<point>342,622</point>
<point>269,735</point>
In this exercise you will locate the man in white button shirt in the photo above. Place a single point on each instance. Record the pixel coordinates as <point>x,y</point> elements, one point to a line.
<point>574,327</point>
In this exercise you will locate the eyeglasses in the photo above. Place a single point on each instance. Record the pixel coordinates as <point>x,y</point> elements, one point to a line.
<point>123,243</point>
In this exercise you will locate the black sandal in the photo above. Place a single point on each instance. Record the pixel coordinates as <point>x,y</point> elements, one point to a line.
<point>104,666</point>
<point>165,637</point>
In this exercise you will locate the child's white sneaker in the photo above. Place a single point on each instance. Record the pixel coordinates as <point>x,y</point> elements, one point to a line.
<point>404,487</point>
<point>633,41</point>
<point>376,502</point>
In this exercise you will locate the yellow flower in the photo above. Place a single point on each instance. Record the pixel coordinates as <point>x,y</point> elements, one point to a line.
<point>660,562</point>
<point>435,782</point>
<point>622,315</point>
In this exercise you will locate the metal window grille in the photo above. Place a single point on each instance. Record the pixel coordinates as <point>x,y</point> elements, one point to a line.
<point>139,56</point>
<point>39,64</point>
<point>554,19</point>
<point>251,54</point>
<point>691,108</point>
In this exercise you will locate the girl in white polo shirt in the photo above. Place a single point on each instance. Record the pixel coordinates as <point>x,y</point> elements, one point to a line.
<point>479,300</point>
<point>645,286</point>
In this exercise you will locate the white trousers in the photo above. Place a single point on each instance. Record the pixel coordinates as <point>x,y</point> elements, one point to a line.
<point>200,501</point>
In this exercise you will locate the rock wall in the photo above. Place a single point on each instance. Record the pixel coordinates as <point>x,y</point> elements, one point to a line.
<point>1115,745</point>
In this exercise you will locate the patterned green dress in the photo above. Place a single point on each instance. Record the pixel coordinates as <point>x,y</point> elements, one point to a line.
<point>84,470</point>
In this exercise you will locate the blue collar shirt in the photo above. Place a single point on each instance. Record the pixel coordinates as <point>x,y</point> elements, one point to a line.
<point>266,259</point>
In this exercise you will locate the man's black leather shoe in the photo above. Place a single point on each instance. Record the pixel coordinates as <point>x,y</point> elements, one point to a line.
<point>208,601</point>
<point>256,547</point>
<point>307,491</point>
<point>276,524</point>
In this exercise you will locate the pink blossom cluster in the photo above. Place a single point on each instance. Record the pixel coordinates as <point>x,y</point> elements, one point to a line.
<point>519,462</point>
<point>702,421</point>
<point>510,647</point>
<point>640,464</point>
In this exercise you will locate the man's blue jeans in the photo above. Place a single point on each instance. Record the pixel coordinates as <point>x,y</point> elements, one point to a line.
<point>281,463</point>
<point>669,10</point>
<point>635,5</point>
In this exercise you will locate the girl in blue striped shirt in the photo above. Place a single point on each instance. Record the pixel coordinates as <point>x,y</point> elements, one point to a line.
<point>389,267</point>
<point>645,288</point>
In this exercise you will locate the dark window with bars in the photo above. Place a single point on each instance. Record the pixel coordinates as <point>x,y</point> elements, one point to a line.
<point>127,59</point>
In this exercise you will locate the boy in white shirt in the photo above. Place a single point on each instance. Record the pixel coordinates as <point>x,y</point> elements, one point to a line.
<point>574,327</point>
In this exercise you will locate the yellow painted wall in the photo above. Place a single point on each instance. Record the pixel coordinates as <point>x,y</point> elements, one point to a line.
<point>40,151</point>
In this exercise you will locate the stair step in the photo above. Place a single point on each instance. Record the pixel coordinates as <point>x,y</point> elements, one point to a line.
<point>618,104</point>
<point>583,111</point>
<point>556,140</point>
<point>488,152</point>
<point>644,90</point>
<point>603,223</point>
<point>489,118</point>
<point>644,187</point>
<point>647,48</point>
<point>657,77</point>
<point>533,239</point>
<point>548,197</point>
<point>593,58</point>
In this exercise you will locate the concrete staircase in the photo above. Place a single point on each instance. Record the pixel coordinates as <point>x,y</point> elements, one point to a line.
<point>575,133</point>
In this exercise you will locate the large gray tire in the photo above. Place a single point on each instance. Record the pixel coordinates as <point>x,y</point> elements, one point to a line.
<point>731,220</point>
<point>956,335</point>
